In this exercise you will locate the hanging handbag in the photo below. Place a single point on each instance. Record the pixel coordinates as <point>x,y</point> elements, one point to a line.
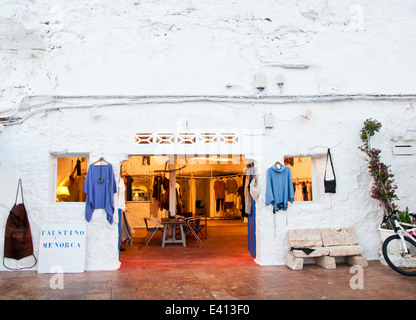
<point>330,185</point>
<point>18,238</point>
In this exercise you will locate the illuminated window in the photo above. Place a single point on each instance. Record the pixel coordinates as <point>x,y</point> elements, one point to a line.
<point>301,176</point>
<point>70,179</point>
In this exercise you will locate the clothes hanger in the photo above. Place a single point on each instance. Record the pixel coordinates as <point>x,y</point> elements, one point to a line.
<point>278,164</point>
<point>100,179</point>
<point>101,159</point>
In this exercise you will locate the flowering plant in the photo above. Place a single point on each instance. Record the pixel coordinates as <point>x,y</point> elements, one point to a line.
<point>383,189</point>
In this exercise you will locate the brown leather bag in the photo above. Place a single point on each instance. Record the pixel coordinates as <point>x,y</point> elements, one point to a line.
<point>18,237</point>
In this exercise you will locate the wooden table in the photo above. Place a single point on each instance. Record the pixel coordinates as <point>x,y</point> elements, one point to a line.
<point>170,237</point>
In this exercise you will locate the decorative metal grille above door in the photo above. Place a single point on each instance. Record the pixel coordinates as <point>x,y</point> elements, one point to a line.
<point>186,138</point>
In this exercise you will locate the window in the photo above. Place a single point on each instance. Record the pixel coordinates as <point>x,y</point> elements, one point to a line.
<point>70,179</point>
<point>301,176</point>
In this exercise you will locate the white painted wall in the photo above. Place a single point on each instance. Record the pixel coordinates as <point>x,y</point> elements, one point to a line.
<point>197,48</point>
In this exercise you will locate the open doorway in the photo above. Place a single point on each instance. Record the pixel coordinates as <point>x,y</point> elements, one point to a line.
<point>208,187</point>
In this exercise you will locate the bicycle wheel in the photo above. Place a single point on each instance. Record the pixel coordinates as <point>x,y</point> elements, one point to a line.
<point>396,257</point>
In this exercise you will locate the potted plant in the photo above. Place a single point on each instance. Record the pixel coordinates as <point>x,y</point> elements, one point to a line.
<point>384,188</point>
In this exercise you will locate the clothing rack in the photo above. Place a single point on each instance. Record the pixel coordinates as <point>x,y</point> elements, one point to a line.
<point>211,177</point>
<point>171,170</point>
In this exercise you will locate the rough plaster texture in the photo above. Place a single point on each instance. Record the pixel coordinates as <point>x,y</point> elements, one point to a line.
<point>197,48</point>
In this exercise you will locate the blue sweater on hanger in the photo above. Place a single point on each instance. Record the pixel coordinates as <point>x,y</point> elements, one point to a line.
<point>100,186</point>
<point>279,187</point>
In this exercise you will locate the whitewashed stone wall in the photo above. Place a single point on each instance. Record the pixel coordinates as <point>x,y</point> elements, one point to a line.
<point>207,48</point>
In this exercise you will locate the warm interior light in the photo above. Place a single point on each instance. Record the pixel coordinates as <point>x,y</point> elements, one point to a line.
<point>62,191</point>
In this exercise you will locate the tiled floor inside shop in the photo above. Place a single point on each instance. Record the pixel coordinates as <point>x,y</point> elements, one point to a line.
<point>220,269</point>
<point>225,245</point>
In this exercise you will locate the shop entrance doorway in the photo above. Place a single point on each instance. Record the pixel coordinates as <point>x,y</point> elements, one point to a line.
<point>210,188</point>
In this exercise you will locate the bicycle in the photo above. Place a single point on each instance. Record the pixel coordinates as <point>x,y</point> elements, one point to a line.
<point>399,250</point>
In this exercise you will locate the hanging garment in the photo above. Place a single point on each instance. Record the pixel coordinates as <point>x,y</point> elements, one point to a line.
<point>219,187</point>
<point>240,192</point>
<point>279,187</point>
<point>304,191</point>
<point>231,186</point>
<point>212,200</point>
<point>179,202</point>
<point>249,175</point>
<point>100,186</point>
<point>298,192</point>
<point>219,204</point>
<point>121,202</point>
<point>254,189</point>
<point>243,196</point>
<point>158,183</point>
<point>129,193</point>
<point>192,195</point>
<point>18,237</point>
<point>164,201</point>
<point>184,194</point>
<point>309,189</point>
<point>125,230</point>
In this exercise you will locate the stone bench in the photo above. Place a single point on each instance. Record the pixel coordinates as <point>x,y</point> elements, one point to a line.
<point>324,245</point>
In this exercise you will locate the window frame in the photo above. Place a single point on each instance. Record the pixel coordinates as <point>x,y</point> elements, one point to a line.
<point>313,178</point>
<point>54,178</point>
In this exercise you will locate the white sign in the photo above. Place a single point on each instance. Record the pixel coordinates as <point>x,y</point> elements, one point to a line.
<point>404,149</point>
<point>62,246</point>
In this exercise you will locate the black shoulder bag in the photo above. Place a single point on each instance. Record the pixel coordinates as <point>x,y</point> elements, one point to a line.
<point>330,185</point>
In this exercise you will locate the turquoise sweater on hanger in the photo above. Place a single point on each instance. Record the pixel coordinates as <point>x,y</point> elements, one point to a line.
<point>279,187</point>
